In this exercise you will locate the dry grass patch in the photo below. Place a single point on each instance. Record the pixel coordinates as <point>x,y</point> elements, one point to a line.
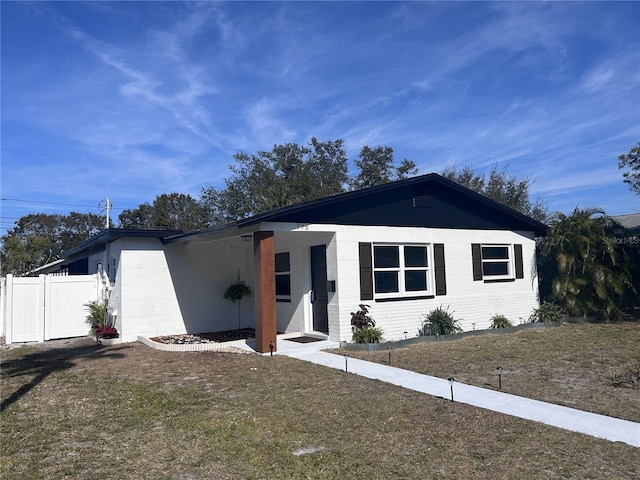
<point>592,367</point>
<point>86,412</point>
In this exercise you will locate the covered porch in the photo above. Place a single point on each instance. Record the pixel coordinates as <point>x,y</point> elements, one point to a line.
<point>291,272</point>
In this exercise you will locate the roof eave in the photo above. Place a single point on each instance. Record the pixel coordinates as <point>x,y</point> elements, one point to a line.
<point>112,234</point>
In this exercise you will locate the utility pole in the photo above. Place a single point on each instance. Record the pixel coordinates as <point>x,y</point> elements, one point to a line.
<point>108,208</point>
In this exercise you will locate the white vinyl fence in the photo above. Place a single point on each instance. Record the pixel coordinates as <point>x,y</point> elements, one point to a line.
<point>35,309</point>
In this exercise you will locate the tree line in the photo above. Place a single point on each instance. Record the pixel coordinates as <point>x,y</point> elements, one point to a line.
<point>292,173</point>
<point>286,175</point>
<point>583,265</point>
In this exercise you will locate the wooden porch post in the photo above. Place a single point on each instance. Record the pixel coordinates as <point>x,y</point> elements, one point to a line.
<point>265,290</point>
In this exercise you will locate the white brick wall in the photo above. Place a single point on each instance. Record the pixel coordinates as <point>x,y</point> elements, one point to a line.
<point>178,288</point>
<point>144,289</point>
<point>472,302</point>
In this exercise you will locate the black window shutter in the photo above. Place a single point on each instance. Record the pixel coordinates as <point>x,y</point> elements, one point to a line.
<point>476,258</point>
<point>366,272</point>
<point>438,263</point>
<point>517,250</point>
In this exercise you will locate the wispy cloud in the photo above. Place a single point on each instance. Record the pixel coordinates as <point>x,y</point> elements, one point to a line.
<point>151,100</point>
<point>154,80</point>
<point>266,125</point>
<point>157,74</point>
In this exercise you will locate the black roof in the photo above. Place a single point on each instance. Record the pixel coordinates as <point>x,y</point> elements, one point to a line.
<point>97,243</point>
<point>424,201</point>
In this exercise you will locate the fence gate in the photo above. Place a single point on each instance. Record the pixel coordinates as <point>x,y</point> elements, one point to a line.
<point>47,307</point>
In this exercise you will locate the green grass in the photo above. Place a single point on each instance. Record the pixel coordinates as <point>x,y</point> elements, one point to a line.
<point>574,365</point>
<point>132,412</point>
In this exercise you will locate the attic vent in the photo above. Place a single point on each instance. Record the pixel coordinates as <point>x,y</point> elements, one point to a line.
<point>424,201</point>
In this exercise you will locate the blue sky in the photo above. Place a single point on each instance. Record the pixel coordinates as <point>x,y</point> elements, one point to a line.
<point>129,100</point>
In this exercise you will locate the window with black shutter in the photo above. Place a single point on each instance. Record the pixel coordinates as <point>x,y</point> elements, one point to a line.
<point>497,262</point>
<point>401,271</point>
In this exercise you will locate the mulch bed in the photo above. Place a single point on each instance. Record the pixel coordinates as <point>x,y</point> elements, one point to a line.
<point>213,337</point>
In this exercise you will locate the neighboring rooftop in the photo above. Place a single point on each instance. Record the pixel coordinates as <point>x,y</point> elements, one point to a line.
<point>630,221</point>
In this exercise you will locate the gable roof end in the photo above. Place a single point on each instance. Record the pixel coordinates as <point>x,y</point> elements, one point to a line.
<point>424,183</point>
<point>457,207</point>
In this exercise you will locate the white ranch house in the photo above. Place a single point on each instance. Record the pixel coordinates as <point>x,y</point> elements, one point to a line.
<point>404,248</point>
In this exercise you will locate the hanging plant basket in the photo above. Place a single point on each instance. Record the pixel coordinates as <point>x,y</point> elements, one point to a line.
<point>237,291</point>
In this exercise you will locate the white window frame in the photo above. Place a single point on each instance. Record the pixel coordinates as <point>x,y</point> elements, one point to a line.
<point>401,269</point>
<point>511,271</point>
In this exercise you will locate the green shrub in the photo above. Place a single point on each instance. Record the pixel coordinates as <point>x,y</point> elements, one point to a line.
<point>547,313</point>
<point>363,327</point>
<point>500,321</point>
<point>440,322</point>
<point>100,320</point>
<point>366,335</point>
<point>97,312</point>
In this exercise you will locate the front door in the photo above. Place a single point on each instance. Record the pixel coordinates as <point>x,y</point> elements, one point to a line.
<point>319,293</point>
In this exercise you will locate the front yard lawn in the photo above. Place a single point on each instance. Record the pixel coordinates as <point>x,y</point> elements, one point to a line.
<point>131,412</point>
<point>592,367</point>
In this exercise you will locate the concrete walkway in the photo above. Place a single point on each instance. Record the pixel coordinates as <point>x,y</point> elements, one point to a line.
<point>601,426</point>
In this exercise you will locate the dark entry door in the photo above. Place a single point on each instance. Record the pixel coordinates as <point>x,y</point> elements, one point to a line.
<point>319,295</point>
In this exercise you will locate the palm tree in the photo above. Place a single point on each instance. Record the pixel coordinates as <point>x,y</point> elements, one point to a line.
<point>580,268</point>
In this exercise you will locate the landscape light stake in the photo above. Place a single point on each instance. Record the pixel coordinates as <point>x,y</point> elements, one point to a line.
<point>499,370</point>
<point>451,380</point>
<point>271,345</point>
<point>346,361</point>
<point>389,348</point>
<point>405,335</point>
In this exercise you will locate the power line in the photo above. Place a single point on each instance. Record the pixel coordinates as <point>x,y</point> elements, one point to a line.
<point>54,203</point>
<point>46,203</point>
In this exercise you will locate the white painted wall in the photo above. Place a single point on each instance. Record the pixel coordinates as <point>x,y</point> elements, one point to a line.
<point>96,258</point>
<point>471,302</point>
<point>335,328</point>
<point>178,288</point>
<point>144,296</point>
<point>201,273</point>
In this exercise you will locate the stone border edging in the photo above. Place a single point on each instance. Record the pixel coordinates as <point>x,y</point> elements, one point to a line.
<point>373,347</point>
<point>230,346</point>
